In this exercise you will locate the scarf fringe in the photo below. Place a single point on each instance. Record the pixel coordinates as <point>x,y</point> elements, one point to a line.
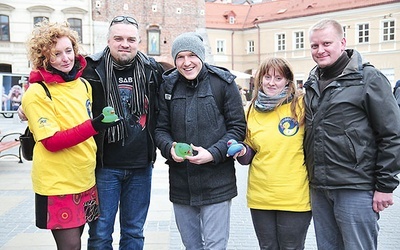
<point>137,107</point>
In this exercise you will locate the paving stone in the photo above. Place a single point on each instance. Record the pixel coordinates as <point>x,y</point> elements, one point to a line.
<point>18,230</point>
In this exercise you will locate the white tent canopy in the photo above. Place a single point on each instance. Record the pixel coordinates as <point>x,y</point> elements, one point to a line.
<point>240,75</point>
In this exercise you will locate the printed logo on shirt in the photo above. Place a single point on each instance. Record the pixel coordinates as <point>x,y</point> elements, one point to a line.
<point>288,126</point>
<point>126,80</point>
<point>125,92</point>
<point>89,108</point>
<point>42,122</point>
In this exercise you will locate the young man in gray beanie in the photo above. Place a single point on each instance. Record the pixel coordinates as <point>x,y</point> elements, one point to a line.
<point>200,105</point>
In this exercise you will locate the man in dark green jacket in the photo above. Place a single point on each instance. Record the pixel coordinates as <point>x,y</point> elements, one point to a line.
<point>352,142</point>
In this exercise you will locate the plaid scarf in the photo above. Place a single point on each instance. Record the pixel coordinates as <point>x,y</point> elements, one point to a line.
<point>265,103</point>
<point>119,132</point>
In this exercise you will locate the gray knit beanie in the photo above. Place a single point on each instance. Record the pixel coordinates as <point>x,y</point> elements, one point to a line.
<point>189,41</point>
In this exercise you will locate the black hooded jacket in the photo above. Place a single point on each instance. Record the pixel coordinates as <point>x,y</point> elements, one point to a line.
<point>189,113</point>
<point>95,74</point>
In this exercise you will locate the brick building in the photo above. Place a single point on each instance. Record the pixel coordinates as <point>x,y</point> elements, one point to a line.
<point>159,21</point>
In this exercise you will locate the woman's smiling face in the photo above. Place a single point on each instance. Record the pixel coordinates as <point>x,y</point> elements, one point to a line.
<point>273,82</point>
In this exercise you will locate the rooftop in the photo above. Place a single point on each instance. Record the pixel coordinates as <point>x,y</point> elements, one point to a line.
<point>243,16</point>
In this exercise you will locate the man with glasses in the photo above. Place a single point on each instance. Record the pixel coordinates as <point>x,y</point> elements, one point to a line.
<point>124,78</point>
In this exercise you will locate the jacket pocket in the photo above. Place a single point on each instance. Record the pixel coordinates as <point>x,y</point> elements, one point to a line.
<point>211,114</point>
<point>355,148</point>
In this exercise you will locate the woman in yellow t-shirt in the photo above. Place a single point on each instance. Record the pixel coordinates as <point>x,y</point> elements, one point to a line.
<point>277,192</point>
<point>64,156</point>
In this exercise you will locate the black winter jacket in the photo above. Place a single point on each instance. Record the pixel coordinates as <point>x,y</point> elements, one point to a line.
<point>189,113</point>
<point>352,133</point>
<point>95,74</point>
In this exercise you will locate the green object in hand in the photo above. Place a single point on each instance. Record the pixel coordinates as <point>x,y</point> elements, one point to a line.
<point>183,149</point>
<point>109,115</point>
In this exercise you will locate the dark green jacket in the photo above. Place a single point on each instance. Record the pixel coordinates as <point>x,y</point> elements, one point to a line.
<point>352,133</point>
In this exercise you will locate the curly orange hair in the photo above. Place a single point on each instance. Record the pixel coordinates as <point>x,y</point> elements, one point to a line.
<point>43,40</point>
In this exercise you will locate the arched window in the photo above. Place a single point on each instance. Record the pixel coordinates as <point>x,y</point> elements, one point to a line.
<point>4,28</point>
<point>38,19</point>
<point>76,24</point>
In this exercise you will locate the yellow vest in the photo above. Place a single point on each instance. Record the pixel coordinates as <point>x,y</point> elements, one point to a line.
<point>277,177</point>
<point>70,170</point>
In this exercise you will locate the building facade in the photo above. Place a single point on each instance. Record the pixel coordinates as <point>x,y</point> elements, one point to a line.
<point>160,21</point>
<point>241,36</point>
<point>236,36</point>
<point>17,20</point>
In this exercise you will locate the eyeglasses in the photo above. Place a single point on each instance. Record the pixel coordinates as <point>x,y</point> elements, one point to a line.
<point>119,19</point>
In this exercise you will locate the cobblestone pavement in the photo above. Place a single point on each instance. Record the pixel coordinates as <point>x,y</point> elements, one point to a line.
<point>18,231</point>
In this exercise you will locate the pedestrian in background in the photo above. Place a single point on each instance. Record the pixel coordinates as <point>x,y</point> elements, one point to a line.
<point>277,187</point>
<point>195,112</point>
<point>126,79</point>
<point>352,142</point>
<point>15,97</point>
<point>64,155</point>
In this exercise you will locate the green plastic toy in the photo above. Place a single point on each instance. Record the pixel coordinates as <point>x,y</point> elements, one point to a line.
<point>109,115</point>
<point>183,149</point>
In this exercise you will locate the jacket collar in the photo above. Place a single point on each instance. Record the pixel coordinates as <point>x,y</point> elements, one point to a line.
<point>172,76</point>
<point>42,74</point>
<point>353,69</point>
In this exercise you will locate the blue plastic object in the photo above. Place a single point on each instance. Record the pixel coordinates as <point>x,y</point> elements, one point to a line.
<point>233,147</point>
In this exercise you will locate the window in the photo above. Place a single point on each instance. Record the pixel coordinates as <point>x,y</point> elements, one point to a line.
<point>5,67</point>
<point>5,28</point>
<point>76,24</point>
<point>220,46</point>
<point>250,46</point>
<point>344,31</point>
<point>231,20</point>
<point>363,33</point>
<point>388,31</point>
<point>299,84</point>
<point>281,42</point>
<point>389,73</point>
<point>38,19</point>
<point>153,41</point>
<point>299,40</point>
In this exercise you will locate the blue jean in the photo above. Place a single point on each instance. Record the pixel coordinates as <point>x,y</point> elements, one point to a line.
<point>344,219</point>
<point>203,227</point>
<point>130,189</point>
<point>280,229</point>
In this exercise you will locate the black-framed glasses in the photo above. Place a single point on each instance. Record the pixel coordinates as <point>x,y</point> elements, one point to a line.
<point>119,19</point>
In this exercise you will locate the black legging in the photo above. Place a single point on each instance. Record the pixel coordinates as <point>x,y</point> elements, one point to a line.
<point>68,239</point>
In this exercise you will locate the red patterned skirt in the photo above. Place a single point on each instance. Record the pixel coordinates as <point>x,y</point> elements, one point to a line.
<point>66,211</point>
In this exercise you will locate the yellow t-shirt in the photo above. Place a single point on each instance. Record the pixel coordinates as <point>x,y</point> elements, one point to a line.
<point>70,170</point>
<point>277,178</point>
